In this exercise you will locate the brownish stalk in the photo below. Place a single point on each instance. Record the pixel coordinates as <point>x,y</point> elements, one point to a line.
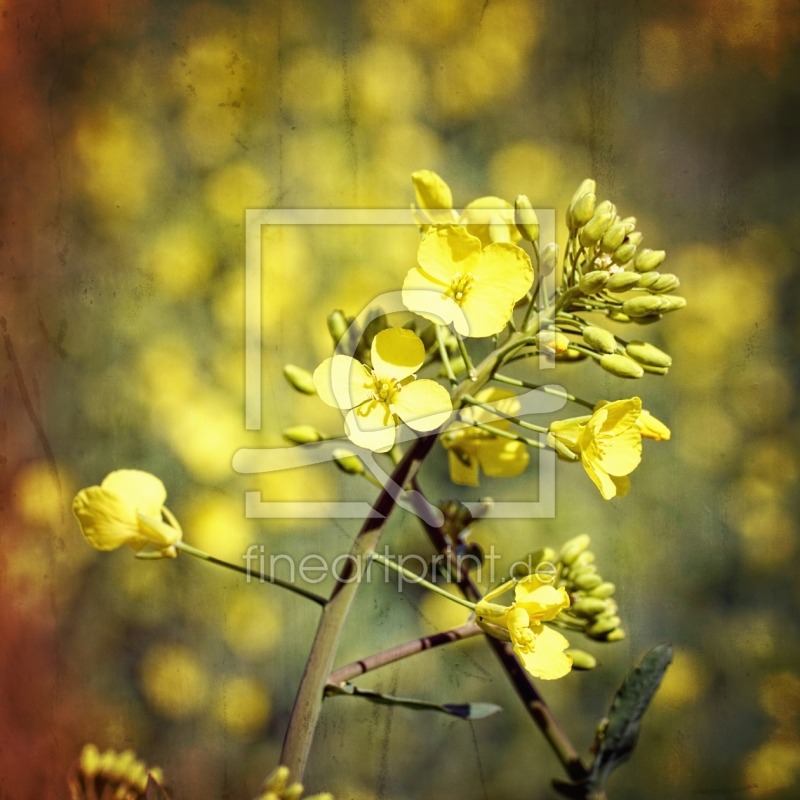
<point>534,703</point>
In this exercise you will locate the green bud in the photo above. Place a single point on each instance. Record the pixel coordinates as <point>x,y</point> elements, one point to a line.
<point>617,635</point>
<point>604,590</point>
<point>594,281</point>
<point>588,607</point>
<point>348,462</point>
<point>594,229</point>
<point>617,316</point>
<point>571,355</point>
<point>622,281</point>
<point>600,339</point>
<point>584,559</point>
<point>642,306</point>
<point>588,186</point>
<point>578,571</point>
<point>582,211</point>
<point>548,259</point>
<point>613,608</point>
<point>646,353</point>
<point>621,366</point>
<point>498,229</point>
<point>672,302</point>
<point>587,581</point>
<point>602,626</point>
<point>562,451</point>
<point>635,238</point>
<point>338,326</point>
<point>571,549</point>
<point>276,781</point>
<point>293,792</point>
<point>300,379</point>
<point>606,207</point>
<point>666,283</point>
<point>525,218</point>
<point>613,238</point>
<point>303,434</point>
<point>647,279</point>
<point>655,370</point>
<point>629,223</point>
<point>624,253</point>
<point>581,659</point>
<point>648,260</point>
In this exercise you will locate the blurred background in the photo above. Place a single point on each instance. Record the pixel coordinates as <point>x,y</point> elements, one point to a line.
<point>134,135</point>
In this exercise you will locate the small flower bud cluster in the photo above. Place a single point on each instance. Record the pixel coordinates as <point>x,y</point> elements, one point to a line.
<point>277,786</point>
<point>111,774</point>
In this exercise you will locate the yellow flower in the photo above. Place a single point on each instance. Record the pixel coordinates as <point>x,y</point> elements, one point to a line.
<point>379,398</point>
<point>539,648</point>
<point>648,425</point>
<point>608,442</point>
<point>471,449</point>
<point>434,197</point>
<point>478,213</point>
<point>127,509</point>
<point>460,282</point>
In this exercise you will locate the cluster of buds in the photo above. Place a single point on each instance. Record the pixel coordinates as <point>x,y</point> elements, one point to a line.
<point>592,609</point>
<point>117,776</point>
<point>277,786</point>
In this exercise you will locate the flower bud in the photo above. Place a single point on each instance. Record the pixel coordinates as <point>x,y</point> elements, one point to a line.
<point>594,281</point>
<point>293,792</point>
<point>277,779</point>
<point>594,229</point>
<point>562,451</point>
<point>525,219</point>
<point>616,315</point>
<point>571,549</point>
<point>498,229</point>
<point>548,259</point>
<point>622,281</point>
<point>600,339</point>
<point>604,590</point>
<point>613,238</point>
<point>552,341</point>
<point>583,210</point>
<point>300,379</point>
<point>589,607</point>
<point>586,558</point>
<point>629,223</point>
<point>581,659</point>
<point>570,355</point>
<point>648,260</point>
<point>621,366</point>
<point>348,462</point>
<point>303,434</point>
<point>642,306</point>
<point>646,353</point>
<point>606,207</point>
<point>635,238</point>
<point>587,187</point>
<point>624,253</point>
<point>602,626</point>
<point>672,302</point>
<point>338,326</point>
<point>587,581</point>
<point>666,283</point>
<point>617,635</point>
<point>647,279</point>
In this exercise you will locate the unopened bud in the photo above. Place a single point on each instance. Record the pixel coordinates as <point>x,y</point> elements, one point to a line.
<point>613,238</point>
<point>277,779</point>
<point>594,281</point>
<point>588,186</point>
<point>617,635</point>
<point>300,379</point>
<point>498,229</point>
<point>642,306</point>
<point>579,569</point>
<point>646,353</point>
<point>624,253</point>
<point>581,659</point>
<point>525,218</point>
<point>621,366</point>
<point>571,355</point>
<point>589,607</point>
<point>647,279</point>
<point>337,326</point>
<point>672,302</point>
<point>293,792</point>
<point>635,238</point>
<point>606,207</point>
<point>622,281</point>
<point>602,626</point>
<point>548,259</point>
<point>562,451</point>
<point>600,339</point>
<point>587,581</point>
<point>666,283</point>
<point>616,315</point>
<point>594,229</point>
<point>303,434</point>
<point>629,223</point>
<point>552,341</point>
<point>571,549</point>
<point>648,260</point>
<point>348,462</point>
<point>604,590</point>
<point>583,210</point>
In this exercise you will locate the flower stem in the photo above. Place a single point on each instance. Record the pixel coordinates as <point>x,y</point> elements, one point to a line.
<point>413,578</point>
<point>467,360</point>
<point>546,389</point>
<point>448,367</point>
<point>515,437</point>
<point>263,577</point>
<point>516,420</point>
<point>400,651</point>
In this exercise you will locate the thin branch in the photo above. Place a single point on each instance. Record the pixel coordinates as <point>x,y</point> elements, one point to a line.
<point>545,389</point>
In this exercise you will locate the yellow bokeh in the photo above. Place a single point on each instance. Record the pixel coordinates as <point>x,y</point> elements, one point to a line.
<point>774,766</point>
<point>41,495</point>
<point>424,23</point>
<point>313,84</point>
<point>253,623</point>
<point>527,168</point>
<point>217,524</point>
<point>440,613</point>
<point>683,682</point>
<point>180,258</point>
<point>242,706</point>
<point>779,696</point>
<point>174,681</point>
<point>234,188</point>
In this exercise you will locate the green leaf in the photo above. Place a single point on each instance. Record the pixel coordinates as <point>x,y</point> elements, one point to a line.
<point>460,710</point>
<point>618,734</point>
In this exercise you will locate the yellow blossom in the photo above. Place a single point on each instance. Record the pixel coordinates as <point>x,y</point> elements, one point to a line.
<point>471,449</point>
<point>539,648</point>
<point>127,509</point>
<point>377,399</point>
<point>433,196</point>
<point>609,444</point>
<point>460,282</point>
<point>649,426</point>
<point>478,214</point>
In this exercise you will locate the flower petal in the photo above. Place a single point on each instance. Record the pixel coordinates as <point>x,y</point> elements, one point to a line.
<point>547,660</point>
<point>427,297</point>
<point>447,250</point>
<point>502,458</point>
<point>506,265</point>
<point>371,426</point>
<point>479,212</point>
<point>433,195</point>
<point>423,405</point>
<point>397,353</point>
<point>623,454</point>
<point>487,309</point>
<point>139,490</point>
<point>106,519</point>
<point>343,382</point>
<point>601,479</point>
<point>463,467</point>
<point>623,484</point>
<point>621,414</point>
<point>542,602</point>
